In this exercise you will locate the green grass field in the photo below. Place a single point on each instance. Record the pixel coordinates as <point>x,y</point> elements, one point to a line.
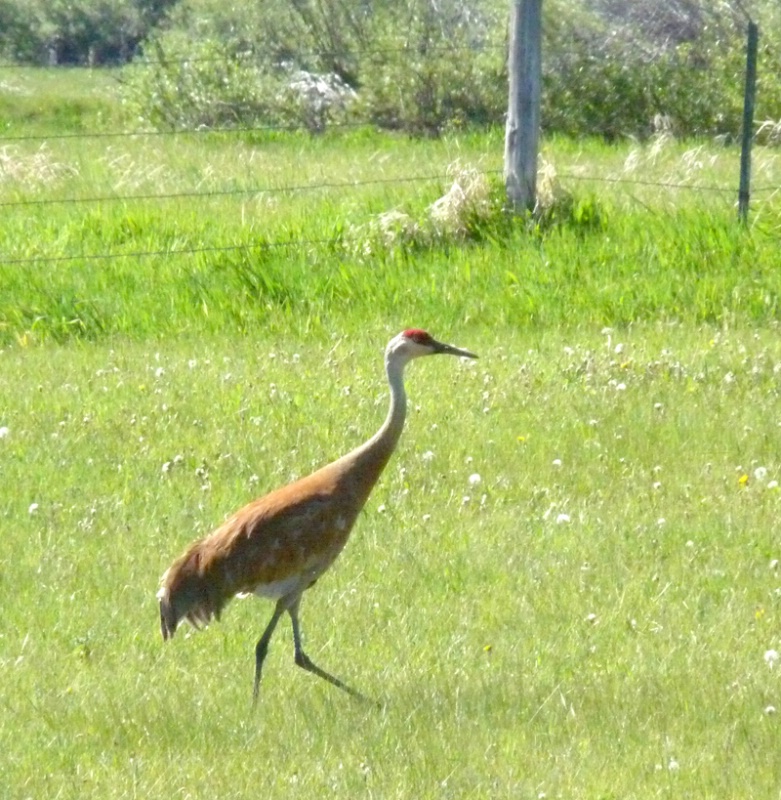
<point>567,584</point>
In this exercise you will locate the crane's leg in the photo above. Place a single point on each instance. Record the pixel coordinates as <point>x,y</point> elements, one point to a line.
<point>262,646</point>
<point>303,660</point>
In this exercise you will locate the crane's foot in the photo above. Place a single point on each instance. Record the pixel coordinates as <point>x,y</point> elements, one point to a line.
<point>303,661</point>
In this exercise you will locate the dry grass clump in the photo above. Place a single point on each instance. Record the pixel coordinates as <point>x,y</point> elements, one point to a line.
<point>557,206</point>
<point>470,198</point>
<point>641,157</point>
<point>470,202</point>
<point>552,198</point>
<point>10,87</point>
<point>394,228</point>
<point>144,171</point>
<point>769,132</point>
<point>659,162</point>
<point>474,207</point>
<point>33,169</point>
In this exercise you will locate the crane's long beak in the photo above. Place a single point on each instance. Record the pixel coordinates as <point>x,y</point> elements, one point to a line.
<point>448,349</point>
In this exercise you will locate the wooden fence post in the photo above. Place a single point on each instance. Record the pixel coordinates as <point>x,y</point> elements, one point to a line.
<point>523,112</point>
<point>747,134</point>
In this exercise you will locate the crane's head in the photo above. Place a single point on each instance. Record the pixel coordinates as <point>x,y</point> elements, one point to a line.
<point>414,343</point>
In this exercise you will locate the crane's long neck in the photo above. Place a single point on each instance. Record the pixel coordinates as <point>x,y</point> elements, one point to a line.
<point>372,456</point>
<point>386,438</point>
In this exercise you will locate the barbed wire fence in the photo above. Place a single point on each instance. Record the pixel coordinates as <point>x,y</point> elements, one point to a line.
<point>564,177</point>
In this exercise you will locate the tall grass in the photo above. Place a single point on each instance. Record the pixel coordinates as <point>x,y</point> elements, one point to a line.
<point>696,266</point>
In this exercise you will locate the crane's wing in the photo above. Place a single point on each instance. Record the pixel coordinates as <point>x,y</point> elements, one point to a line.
<point>277,545</point>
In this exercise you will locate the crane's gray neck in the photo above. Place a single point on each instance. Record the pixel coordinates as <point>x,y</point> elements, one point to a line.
<point>376,453</point>
<point>391,429</point>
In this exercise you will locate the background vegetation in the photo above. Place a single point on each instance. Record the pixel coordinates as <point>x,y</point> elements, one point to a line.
<point>611,68</point>
<point>149,236</point>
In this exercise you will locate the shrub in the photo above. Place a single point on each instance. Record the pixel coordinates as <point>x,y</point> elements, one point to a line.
<point>404,66</point>
<point>611,68</point>
<point>76,31</point>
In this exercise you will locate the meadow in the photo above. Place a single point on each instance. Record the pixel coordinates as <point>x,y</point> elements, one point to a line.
<point>566,584</point>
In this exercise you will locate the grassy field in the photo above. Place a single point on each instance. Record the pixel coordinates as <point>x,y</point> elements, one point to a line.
<point>566,584</point>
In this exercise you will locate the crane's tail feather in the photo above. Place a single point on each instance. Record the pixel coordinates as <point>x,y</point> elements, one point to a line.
<point>168,621</point>
<point>188,592</point>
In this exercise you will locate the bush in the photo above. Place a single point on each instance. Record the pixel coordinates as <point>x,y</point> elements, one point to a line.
<point>403,66</point>
<point>196,84</point>
<point>218,66</point>
<point>76,31</point>
<point>445,70</point>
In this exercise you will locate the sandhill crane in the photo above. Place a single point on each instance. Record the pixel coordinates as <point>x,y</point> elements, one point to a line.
<point>279,545</point>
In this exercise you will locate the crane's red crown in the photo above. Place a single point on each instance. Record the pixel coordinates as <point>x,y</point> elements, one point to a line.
<point>418,336</point>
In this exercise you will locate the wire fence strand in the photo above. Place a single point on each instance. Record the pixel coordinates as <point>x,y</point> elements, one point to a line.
<point>139,254</point>
<point>254,190</point>
<point>298,243</point>
<point>299,188</point>
<point>342,185</point>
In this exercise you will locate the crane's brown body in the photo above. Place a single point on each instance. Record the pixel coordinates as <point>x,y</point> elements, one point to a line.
<point>275,546</point>
<point>279,545</point>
